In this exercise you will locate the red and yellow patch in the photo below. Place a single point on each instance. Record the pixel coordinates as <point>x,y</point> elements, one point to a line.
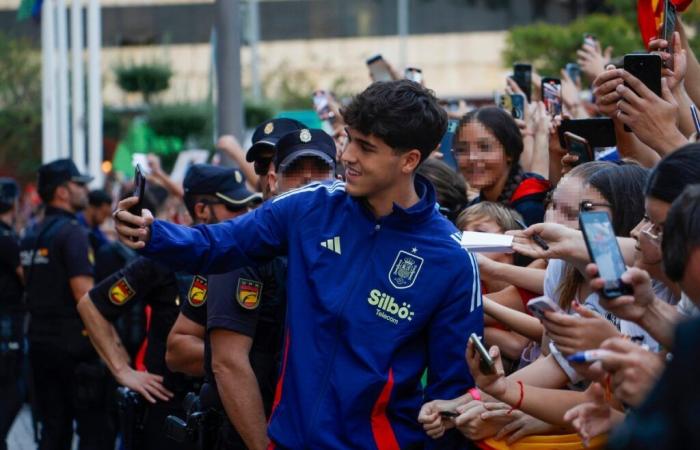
<point>248,293</point>
<point>197,295</point>
<point>121,292</point>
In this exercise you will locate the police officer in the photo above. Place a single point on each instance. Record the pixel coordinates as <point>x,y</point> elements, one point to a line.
<point>11,311</point>
<point>69,382</point>
<point>144,281</point>
<point>262,152</point>
<point>246,309</point>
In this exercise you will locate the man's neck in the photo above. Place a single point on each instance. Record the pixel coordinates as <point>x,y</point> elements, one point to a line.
<point>403,194</point>
<point>492,193</point>
<point>62,205</point>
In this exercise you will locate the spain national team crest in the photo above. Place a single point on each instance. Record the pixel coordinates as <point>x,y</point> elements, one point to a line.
<point>405,270</point>
<point>197,294</point>
<point>121,292</point>
<point>248,293</point>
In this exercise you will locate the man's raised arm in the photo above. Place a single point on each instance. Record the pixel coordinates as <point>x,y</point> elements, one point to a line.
<point>248,240</point>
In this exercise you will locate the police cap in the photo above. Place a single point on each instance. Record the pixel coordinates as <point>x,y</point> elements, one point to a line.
<point>226,183</point>
<point>305,142</point>
<point>9,191</point>
<point>58,172</point>
<point>268,133</point>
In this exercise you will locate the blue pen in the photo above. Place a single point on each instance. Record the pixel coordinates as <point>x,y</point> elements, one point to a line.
<point>588,356</point>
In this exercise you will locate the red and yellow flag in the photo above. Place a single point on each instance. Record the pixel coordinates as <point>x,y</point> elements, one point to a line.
<point>650,16</point>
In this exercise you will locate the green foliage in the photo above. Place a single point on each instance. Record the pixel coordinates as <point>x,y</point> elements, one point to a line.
<point>185,121</point>
<point>257,112</point>
<point>148,79</point>
<point>549,47</point>
<point>20,108</point>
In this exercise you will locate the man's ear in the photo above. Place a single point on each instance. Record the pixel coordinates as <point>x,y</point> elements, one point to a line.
<point>201,213</point>
<point>410,161</point>
<point>272,183</point>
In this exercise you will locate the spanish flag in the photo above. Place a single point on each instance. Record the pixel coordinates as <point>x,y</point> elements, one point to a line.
<point>650,16</point>
<point>548,442</point>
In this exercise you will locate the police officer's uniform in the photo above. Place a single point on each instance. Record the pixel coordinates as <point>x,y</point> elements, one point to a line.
<point>143,281</point>
<point>12,313</point>
<point>69,380</point>
<point>252,300</point>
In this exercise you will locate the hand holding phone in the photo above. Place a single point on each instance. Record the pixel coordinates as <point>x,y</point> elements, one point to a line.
<point>139,190</point>
<point>576,145</point>
<point>539,305</point>
<point>486,363</point>
<point>668,26</point>
<point>522,75</point>
<point>604,250</point>
<point>379,69</point>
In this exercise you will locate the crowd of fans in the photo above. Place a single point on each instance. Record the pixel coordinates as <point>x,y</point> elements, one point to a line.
<point>514,176</point>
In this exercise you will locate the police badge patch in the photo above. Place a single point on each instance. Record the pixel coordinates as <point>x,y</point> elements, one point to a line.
<point>121,292</point>
<point>197,294</point>
<point>405,270</point>
<point>248,293</point>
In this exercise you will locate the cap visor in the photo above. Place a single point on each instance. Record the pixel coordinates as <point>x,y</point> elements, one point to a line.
<point>82,179</point>
<point>255,149</point>
<point>239,197</point>
<point>309,152</point>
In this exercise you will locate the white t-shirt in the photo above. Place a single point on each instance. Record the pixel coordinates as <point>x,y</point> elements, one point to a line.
<point>687,308</point>
<point>554,276</point>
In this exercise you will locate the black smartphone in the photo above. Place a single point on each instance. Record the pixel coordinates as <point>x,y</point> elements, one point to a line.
<point>599,132</point>
<point>517,103</point>
<point>668,26</point>
<point>487,363</point>
<point>449,414</point>
<point>604,251</point>
<point>522,75</point>
<point>139,189</point>
<point>647,68</point>
<point>574,72</point>
<point>551,95</point>
<point>379,69</point>
<point>576,145</point>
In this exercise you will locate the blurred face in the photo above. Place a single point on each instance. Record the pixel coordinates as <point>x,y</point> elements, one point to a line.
<point>480,156</point>
<point>372,167</point>
<point>567,198</point>
<point>303,171</point>
<point>486,225</point>
<point>648,232</point>
<point>100,213</point>
<point>77,195</point>
<point>215,212</point>
<point>265,169</point>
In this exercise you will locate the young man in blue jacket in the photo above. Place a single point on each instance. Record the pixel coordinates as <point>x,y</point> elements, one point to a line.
<point>379,288</point>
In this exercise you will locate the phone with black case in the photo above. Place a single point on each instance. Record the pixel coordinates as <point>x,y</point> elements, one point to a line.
<point>599,131</point>
<point>576,145</point>
<point>647,68</point>
<point>522,75</point>
<point>604,250</point>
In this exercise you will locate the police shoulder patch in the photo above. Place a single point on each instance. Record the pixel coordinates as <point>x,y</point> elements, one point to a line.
<point>248,293</point>
<point>197,294</point>
<point>121,292</point>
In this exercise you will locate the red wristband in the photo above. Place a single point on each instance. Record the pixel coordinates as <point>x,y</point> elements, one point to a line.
<point>520,401</point>
<point>474,392</point>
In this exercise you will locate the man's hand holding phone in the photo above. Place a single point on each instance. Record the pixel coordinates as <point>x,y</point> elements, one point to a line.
<point>134,230</point>
<point>492,382</point>
<point>628,307</point>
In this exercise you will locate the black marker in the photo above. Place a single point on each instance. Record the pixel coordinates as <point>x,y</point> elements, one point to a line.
<point>538,240</point>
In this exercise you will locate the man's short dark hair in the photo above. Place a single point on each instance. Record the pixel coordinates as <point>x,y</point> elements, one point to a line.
<point>402,113</point>
<point>99,197</point>
<point>681,232</point>
<point>47,192</point>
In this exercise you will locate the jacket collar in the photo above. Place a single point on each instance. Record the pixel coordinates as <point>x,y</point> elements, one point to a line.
<point>52,210</point>
<point>408,217</point>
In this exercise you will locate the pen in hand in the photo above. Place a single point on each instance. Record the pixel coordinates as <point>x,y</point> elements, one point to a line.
<point>537,238</point>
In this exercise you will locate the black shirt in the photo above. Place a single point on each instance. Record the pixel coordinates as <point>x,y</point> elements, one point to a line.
<point>10,285</point>
<point>251,301</point>
<point>53,252</point>
<point>143,280</point>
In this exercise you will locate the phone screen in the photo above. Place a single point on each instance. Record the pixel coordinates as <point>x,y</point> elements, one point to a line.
<point>518,106</point>
<point>522,75</point>
<point>574,72</point>
<point>551,95</point>
<point>446,143</point>
<point>379,69</point>
<point>322,105</point>
<point>604,250</point>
